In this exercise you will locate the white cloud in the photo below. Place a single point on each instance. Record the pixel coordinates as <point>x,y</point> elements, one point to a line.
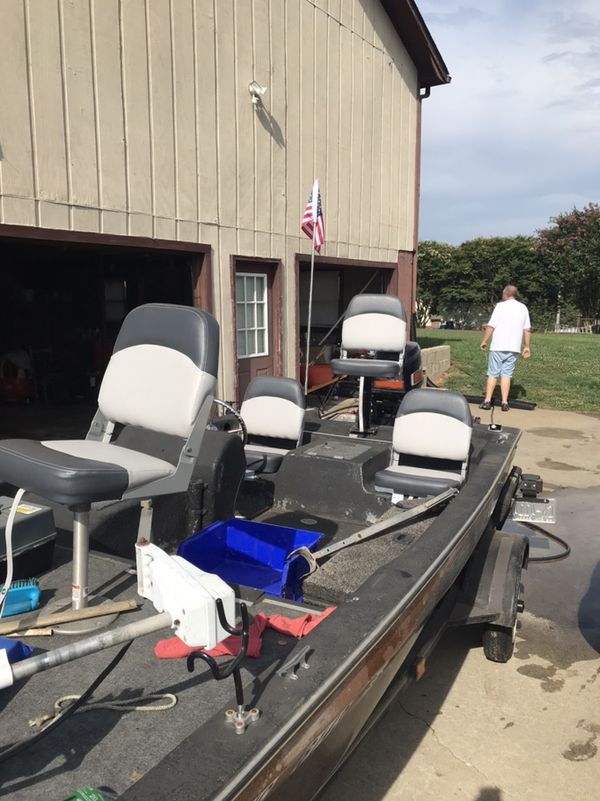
<point>512,141</point>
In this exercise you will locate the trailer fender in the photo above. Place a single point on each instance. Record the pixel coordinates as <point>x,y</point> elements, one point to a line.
<point>491,583</point>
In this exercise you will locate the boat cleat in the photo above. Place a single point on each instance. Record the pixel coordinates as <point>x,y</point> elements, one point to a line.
<point>297,661</point>
<point>241,718</point>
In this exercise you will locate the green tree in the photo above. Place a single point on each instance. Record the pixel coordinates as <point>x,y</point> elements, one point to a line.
<point>498,261</point>
<point>464,282</point>
<point>434,273</point>
<point>571,249</point>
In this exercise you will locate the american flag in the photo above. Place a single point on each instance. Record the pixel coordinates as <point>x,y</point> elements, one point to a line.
<point>314,214</point>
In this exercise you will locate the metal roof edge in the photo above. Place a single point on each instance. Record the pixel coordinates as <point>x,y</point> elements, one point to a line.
<point>412,30</point>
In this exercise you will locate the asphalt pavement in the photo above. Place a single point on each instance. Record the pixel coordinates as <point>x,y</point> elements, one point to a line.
<point>528,730</point>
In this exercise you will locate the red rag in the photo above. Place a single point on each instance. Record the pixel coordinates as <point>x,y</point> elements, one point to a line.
<point>174,648</point>
<point>299,626</point>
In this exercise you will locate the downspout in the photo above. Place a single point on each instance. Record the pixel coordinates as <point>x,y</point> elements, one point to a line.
<point>423,94</point>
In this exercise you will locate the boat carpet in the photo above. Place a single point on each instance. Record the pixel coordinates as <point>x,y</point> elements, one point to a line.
<point>91,745</point>
<point>339,576</point>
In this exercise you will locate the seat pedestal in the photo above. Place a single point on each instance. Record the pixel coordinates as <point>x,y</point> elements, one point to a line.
<point>80,599</point>
<point>363,426</point>
<point>81,550</point>
<point>366,370</point>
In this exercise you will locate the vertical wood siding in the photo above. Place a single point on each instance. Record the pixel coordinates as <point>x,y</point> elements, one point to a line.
<point>133,117</point>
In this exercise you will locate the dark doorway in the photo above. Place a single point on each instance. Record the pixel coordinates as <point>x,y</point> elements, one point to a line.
<point>61,307</point>
<point>334,285</point>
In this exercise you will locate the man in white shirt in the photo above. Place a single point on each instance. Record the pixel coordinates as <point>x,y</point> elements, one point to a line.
<point>508,327</point>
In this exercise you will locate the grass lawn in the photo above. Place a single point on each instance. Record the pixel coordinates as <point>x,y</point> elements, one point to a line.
<point>563,371</point>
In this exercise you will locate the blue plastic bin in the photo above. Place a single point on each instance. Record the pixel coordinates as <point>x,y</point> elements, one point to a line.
<point>15,649</point>
<point>252,554</point>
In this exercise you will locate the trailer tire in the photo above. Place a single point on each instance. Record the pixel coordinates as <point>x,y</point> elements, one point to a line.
<point>498,643</point>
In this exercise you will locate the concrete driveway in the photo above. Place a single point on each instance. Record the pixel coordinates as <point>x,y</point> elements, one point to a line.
<point>473,730</point>
<point>562,447</point>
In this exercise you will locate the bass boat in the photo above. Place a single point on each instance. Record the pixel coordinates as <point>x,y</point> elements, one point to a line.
<point>292,572</point>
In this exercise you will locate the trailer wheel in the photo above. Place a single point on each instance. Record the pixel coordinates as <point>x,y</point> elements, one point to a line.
<point>499,642</point>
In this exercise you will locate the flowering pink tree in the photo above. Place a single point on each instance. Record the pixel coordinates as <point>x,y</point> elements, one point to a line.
<point>571,245</point>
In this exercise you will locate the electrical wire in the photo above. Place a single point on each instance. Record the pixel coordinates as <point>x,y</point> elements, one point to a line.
<point>554,557</point>
<point>9,548</point>
<point>23,745</point>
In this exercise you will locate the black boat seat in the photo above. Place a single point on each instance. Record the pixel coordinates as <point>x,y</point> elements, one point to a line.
<point>273,411</point>
<point>160,380</point>
<point>372,324</point>
<point>431,443</point>
<point>79,471</point>
<point>371,368</point>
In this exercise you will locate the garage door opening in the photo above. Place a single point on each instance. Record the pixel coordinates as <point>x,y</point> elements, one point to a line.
<point>333,288</point>
<point>61,309</point>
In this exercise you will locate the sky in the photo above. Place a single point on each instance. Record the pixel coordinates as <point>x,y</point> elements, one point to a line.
<point>514,139</point>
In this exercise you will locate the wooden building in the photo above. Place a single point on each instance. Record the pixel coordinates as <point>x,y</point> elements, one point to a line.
<point>136,165</point>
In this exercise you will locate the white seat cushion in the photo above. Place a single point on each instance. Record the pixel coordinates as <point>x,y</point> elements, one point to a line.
<point>277,418</point>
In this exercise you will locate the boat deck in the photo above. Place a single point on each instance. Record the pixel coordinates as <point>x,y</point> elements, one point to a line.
<point>172,753</point>
<point>108,747</point>
<point>87,749</point>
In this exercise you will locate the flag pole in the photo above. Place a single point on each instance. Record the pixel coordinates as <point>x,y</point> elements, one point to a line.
<point>310,294</point>
<point>317,237</point>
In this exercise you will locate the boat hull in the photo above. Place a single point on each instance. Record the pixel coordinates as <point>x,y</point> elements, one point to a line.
<point>305,736</point>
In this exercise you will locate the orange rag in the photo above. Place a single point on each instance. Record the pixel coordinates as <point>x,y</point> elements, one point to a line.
<point>174,648</point>
<point>297,626</point>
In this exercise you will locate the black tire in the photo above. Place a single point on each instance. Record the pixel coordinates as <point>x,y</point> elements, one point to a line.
<point>498,643</point>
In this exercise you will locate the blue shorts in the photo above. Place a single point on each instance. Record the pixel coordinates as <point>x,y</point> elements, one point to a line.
<point>501,363</point>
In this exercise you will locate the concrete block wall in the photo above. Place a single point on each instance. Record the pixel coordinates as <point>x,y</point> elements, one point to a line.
<point>436,361</point>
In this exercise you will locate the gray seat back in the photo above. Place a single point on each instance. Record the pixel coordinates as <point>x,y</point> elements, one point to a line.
<point>434,425</point>
<point>374,322</point>
<point>161,378</point>
<point>273,409</point>
<point>162,369</point>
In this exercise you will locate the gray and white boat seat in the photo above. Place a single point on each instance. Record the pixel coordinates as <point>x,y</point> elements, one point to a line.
<point>372,324</point>
<point>430,445</point>
<point>273,410</point>
<point>161,378</point>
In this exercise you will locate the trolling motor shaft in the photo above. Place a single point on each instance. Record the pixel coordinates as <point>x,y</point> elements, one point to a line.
<point>187,599</point>
<point>9,674</point>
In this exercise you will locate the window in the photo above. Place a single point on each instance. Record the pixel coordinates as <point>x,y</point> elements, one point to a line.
<point>251,314</point>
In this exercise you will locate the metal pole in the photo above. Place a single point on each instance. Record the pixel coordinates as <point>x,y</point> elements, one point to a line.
<point>81,548</point>
<point>310,292</point>
<point>67,653</point>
